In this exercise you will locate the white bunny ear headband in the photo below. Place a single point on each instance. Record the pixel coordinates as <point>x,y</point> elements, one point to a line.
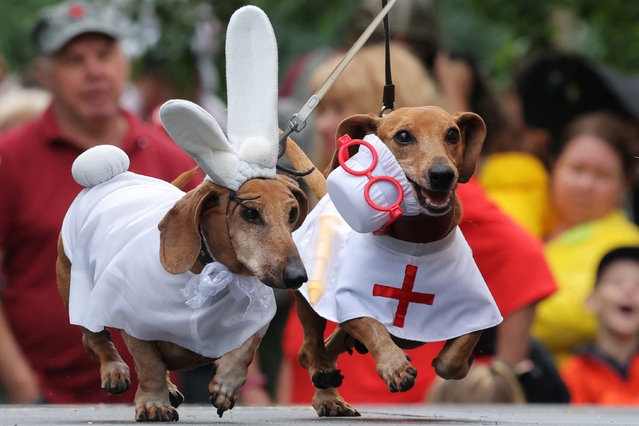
<point>251,149</point>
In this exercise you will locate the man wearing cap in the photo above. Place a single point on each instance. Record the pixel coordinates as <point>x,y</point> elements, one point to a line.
<point>42,357</point>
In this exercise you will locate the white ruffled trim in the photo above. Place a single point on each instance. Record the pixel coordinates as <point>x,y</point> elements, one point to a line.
<point>215,277</point>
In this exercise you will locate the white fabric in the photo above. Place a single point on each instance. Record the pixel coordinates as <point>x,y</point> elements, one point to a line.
<point>111,236</point>
<point>200,136</point>
<point>251,149</point>
<point>251,81</point>
<point>445,268</point>
<point>99,164</point>
<point>347,190</point>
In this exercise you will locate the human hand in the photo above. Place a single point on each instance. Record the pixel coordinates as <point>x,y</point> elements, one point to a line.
<point>17,378</point>
<point>23,389</point>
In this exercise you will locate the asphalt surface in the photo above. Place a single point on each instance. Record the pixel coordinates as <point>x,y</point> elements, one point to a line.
<point>370,415</point>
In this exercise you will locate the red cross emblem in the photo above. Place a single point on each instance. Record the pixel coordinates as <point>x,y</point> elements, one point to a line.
<point>405,295</point>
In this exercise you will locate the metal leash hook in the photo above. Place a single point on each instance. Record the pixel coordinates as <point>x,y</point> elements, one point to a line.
<point>297,122</point>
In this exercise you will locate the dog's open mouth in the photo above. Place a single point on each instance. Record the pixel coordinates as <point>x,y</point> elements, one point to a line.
<point>436,203</point>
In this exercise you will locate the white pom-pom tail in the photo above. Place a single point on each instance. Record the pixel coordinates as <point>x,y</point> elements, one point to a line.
<point>99,164</point>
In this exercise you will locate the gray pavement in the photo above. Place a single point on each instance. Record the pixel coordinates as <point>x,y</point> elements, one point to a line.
<point>371,415</point>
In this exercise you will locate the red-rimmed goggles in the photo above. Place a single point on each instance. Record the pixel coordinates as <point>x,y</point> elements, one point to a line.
<point>394,209</point>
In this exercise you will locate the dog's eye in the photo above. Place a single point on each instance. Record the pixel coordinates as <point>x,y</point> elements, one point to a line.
<point>292,216</point>
<point>403,137</point>
<point>452,136</point>
<point>251,215</point>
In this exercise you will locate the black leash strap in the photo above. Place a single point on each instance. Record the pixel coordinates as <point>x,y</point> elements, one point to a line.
<point>388,97</point>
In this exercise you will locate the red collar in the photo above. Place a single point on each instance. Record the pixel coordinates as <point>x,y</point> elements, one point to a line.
<point>52,134</point>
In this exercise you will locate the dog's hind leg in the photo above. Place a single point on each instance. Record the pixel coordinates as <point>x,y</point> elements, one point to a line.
<point>454,360</point>
<point>229,374</point>
<point>114,373</point>
<point>152,397</point>
<point>391,362</point>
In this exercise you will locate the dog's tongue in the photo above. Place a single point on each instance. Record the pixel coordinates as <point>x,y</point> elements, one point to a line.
<point>437,198</point>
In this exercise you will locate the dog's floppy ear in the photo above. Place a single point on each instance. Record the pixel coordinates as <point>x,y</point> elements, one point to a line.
<point>299,195</point>
<point>180,239</point>
<point>356,126</point>
<point>473,131</point>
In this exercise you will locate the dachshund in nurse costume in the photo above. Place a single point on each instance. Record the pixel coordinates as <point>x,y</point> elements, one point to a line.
<point>385,257</point>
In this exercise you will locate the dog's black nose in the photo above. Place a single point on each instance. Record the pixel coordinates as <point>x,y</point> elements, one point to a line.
<point>441,177</point>
<point>294,273</point>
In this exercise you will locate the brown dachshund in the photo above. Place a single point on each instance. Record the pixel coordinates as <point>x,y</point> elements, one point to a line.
<point>436,151</point>
<point>248,231</point>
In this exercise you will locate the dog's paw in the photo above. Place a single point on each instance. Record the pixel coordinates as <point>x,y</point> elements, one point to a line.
<point>329,403</point>
<point>452,372</point>
<point>222,402</point>
<point>155,412</point>
<point>330,379</point>
<point>406,382</point>
<point>115,377</point>
<point>226,384</point>
<point>175,398</point>
<point>223,390</point>
<point>396,371</point>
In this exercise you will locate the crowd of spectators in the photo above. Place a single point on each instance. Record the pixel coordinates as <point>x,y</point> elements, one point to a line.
<point>546,213</point>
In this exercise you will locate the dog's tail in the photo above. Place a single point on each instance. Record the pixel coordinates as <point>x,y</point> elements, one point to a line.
<point>300,161</point>
<point>99,164</point>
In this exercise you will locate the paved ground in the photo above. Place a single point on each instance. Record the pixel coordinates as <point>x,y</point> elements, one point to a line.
<point>371,415</point>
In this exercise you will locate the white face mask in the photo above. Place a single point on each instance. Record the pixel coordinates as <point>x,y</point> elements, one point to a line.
<point>373,171</point>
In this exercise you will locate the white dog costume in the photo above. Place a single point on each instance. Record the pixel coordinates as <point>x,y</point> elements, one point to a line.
<point>110,233</point>
<point>112,224</point>
<point>422,292</point>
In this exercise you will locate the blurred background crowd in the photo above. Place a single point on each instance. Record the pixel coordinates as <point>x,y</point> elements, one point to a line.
<point>556,82</point>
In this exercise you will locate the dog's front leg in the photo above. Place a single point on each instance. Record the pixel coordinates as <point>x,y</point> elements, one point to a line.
<point>230,374</point>
<point>454,360</point>
<point>327,401</point>
<point>391,362</point>
<point>114,373</point>
<point>312,354</point>
<point>152,397</point>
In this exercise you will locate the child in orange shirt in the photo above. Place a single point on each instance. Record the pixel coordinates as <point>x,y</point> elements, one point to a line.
<point>607,372</point>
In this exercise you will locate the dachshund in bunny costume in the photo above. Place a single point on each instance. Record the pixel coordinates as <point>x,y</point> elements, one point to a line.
<point>187,278</point>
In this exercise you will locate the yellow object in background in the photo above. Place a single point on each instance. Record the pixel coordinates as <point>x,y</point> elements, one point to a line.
<point>518,183</point>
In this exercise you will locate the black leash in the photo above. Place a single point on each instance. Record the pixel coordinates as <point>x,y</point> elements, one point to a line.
<point>388,97</point>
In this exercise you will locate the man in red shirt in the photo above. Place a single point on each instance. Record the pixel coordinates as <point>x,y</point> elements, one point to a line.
<point>42,357</point>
